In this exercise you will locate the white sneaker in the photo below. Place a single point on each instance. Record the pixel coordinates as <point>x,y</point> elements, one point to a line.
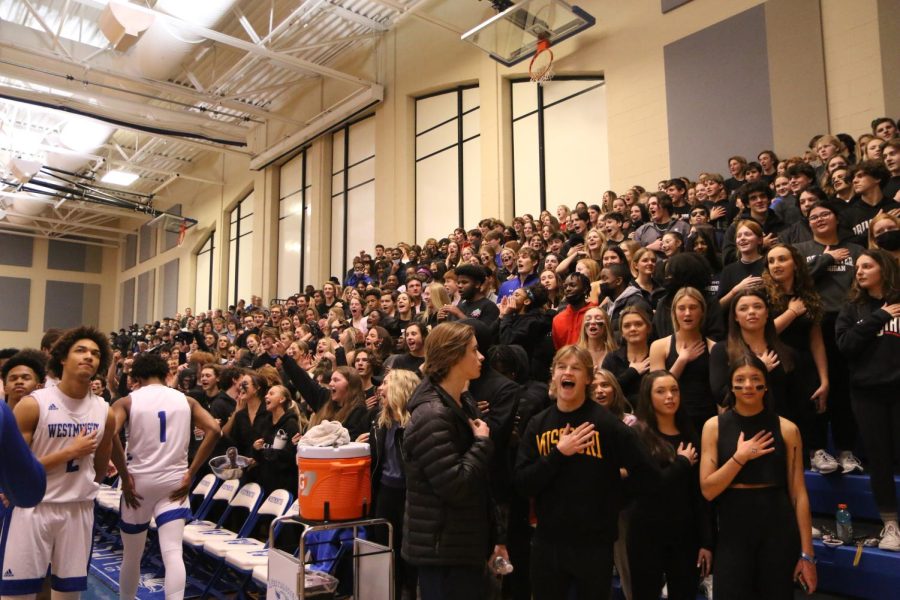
<point>706,587</point>
<point>824,463</point>
<point>890,538</point>
<point>849,462</point>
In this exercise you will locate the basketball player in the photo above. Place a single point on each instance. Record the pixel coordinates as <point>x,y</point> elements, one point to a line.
<point>156,480</point>
<point>70,430</point>
<point>21,374</point>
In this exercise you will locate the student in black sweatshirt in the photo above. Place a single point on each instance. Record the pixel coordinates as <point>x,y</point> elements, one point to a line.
<point>569,461</point>
<point>868,334</point>
<point>670,531</point>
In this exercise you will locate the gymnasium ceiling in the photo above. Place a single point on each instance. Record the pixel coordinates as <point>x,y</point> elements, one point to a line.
<point>197,83</point>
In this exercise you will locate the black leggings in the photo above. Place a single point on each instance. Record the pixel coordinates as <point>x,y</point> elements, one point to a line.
<point>878,415</point>
<point>390,504</point>
<point>843,425</point>
<point>567,571</point>
<point>649,558</point>
<point>758,545</point>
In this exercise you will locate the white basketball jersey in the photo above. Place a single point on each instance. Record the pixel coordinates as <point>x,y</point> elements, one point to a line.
<point>61,420</point>
<point>159,430</point>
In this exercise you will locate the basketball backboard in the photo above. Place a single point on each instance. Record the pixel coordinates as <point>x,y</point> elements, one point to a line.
<point>512,35</point>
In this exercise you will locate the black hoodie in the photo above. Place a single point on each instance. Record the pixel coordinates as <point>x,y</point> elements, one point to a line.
<point>869,338</point>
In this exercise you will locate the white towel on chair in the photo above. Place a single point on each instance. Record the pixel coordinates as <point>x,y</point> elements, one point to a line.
<point>326,433</point>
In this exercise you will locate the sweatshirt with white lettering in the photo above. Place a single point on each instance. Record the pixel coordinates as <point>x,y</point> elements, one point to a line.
<point>578,497</point>
<point>869,338</point>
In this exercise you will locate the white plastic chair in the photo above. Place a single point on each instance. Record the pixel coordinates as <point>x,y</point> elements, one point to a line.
<point>275,505</point>
<point>224,495</point>
<point>248,497</point>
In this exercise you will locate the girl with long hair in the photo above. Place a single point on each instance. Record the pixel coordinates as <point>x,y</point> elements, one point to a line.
<point>669,533</point>
<point>553,284</point>
<point>379,341</point>
<point>343,400</point>
<point>751,330</point>
<point>631,361</point>
<point>278,466</point>
<point>797,311</point>
<point>752,467</point>
<point>596,335</point>
<point>868,335</point>
<point>686,355</point>
<point>250,419</point>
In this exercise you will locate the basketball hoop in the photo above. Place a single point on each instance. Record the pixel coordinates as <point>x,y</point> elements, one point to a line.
<point>181,231</point>
<point>540,68</point>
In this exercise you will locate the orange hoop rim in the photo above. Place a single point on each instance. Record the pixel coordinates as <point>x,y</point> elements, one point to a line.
<point>543,45</point>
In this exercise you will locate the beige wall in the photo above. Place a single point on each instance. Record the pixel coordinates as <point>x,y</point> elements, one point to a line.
<point>40,275</point>
<point>853,67</point>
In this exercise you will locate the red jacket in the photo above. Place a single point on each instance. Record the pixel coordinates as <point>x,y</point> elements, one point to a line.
<point>567,325</point>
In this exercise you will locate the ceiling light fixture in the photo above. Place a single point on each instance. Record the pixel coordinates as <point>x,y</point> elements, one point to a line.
<point>116,177</point>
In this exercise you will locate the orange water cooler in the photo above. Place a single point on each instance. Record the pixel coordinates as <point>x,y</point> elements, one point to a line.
<point>335,483</point>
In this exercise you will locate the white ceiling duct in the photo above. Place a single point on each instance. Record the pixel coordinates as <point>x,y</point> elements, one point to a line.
<point>159,52</point>
<point>26,204</point>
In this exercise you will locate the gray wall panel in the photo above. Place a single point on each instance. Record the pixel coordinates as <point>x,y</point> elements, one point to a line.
<point>72,256</point>
<point>63,304</point>
<point>90,308</point>
<point>127,313</point>
<point>130,254</point>
<point>146,288</point>
<point>15,295</point>
<point>170,288</point>
<point>717,80</point>
<point>16,250</point>
<point>147,243</point>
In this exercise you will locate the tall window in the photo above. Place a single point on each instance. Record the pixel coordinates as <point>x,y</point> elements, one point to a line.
<point>560,149</point>
<point>293,226</point>
<point>205,276</point>
<point>353,194</point>
<point>448,162</point>
<point>240,250</point>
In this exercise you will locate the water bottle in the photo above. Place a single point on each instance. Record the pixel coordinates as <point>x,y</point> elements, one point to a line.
<point>501,566</point>
<point>843,524</point>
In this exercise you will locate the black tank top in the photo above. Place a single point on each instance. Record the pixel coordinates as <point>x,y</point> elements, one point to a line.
<point>696,393</point>
<point>770,469</point>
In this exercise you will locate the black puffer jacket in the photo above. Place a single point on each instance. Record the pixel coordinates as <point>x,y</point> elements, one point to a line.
<point>448,502</point>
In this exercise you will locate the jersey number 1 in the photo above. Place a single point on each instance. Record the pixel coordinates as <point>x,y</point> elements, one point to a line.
<point>162,426</point>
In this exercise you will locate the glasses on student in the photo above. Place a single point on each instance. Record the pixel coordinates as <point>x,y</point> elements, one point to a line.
<point>819,217</point>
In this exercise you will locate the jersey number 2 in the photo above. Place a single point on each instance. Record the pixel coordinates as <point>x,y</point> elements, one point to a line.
<point>162,426</point>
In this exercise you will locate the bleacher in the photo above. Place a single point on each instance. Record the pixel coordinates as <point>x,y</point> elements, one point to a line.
<point>876,576</point>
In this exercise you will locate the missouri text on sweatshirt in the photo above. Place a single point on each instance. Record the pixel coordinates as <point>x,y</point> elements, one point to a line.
<point>578,497</point>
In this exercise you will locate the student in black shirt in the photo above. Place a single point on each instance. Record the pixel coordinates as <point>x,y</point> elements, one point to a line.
<point>474,304</point>
<point>746,270</point>
<point>250,421</point>
<point>868,177</point>
<point>569,461</point>
<point>752,466</point>
<point>670,531</point>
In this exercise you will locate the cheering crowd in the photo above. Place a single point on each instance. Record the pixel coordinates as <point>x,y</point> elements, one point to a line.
<point>638,382</point>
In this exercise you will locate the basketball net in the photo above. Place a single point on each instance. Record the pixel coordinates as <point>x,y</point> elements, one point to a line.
<point>181,231</point>
<point>541,66</point>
